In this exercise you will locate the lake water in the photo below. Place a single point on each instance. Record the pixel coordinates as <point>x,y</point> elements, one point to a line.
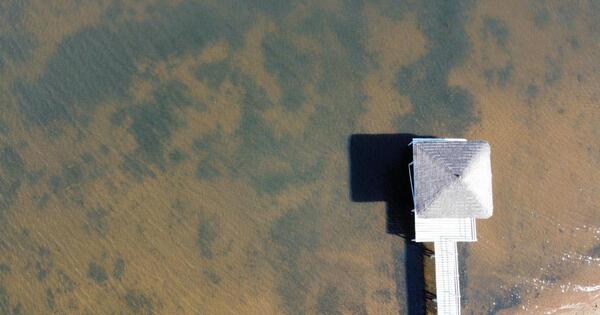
<point>189,157</point>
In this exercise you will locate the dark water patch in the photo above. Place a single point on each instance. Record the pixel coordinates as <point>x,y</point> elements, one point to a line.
<point>554,71</point>
<point>504,74</point>
<point>34,176</point>
<point>567,14</point>
<point>496,29</point>
<point>65,283</point>
<point>541,17</point>
<point>357,309</point>
<point>179,214</point>
<point>97,273</point>
<point>42,200</point>
<point>6,305</point>
<point>274,182</point>
<point>488,74</point>
<point>13,173</point>
<point>274,8</point>
<point>531,92</point>
<point>213,74</point>
<point>44,263</point>
<point>212,277</point>
<point>342,69</point>
<point>593,12</point>
<point>96,221</point>
<point>4,128</point>
<point>103,149</point>
<point>152,125</point>
<point>595,251</point>
<point>383,269</point>
<point>177,156</point>
<point>383,296</point>
<point>13,11</point>
<point>291,66</point>
<point>258,143</point>
<point>50,299</point>
<point>498,76</point>
<point>508,299</point>
<point>258,140</point>
<point>254,96</point>
<point>295,236</point>
<point>293,286</point>
<point>574,42</point>
<point>114,10</point>
<point>296,230</point>
<point>206,143</point>
<point>68,184</point>
<point>97,64</point>
<point>87,158</point>
<point>139,303</point>
<point>393,9</point>
<point>425,82</point>
<point>16,44</point>
<point>256,135</point>
<point>11,162</point>
<point>329,301</point>
<point>4,269</point>
<point>207,234</point>
<point>82,73</point>
<point>71,175</point>
<point>118,268</point>
<point>137,168</point>
<point>173,94</point>
<point>206,169</point>
<point>118,117</point>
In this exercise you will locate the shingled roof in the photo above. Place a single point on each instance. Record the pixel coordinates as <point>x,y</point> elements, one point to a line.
<point>452,179</point>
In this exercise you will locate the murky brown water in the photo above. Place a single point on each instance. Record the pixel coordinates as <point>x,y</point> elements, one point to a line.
<point>181,157</point>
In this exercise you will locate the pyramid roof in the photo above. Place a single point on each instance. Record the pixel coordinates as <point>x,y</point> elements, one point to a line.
<point>452,179</point>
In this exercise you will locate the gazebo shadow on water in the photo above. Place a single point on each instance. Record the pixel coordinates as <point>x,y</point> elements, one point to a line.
<point>379,173</point>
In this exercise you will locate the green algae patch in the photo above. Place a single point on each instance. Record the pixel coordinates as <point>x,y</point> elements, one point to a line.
<point>206,235</point>
<point>291,66</point>
<point>425,82</point>
<point>496,29</point>
<point>97,273</point>
<point>139,303</point>
<point>118,268</point>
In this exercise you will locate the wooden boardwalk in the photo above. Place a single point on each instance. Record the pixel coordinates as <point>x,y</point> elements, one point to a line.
<point>446,278</point>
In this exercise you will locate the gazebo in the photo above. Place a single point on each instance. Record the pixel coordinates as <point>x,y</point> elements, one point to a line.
<point>451,182</point>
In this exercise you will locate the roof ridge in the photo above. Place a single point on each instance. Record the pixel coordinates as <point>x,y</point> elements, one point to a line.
<point>442,160</point>
<point>458,183</point>
<point>437,193</point>
<point>439,160</point>
<point>444,167</point>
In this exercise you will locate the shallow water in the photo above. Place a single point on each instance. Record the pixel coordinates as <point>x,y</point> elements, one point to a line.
<point>192,157</point>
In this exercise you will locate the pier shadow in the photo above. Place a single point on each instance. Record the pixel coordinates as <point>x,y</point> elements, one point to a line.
<point>379,173</point>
